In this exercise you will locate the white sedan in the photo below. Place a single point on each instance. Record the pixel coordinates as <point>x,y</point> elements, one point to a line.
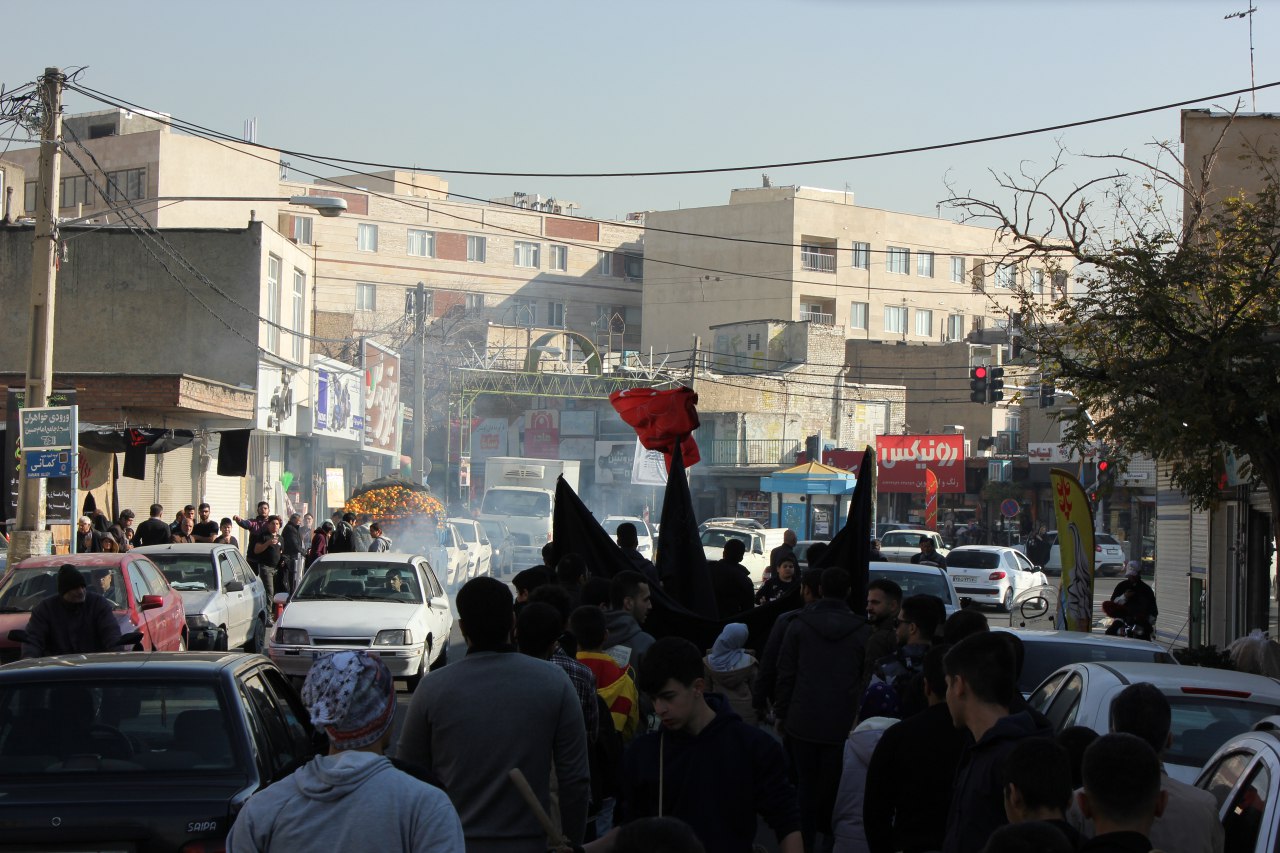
<point>390,603</point>
<point>644,537</point>
<point>992,574</point>
<point>476,541</point>
<point>899,546</point>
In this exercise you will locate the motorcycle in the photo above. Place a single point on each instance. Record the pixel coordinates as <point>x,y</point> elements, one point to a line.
<point>132,640</point>
<point>1123,624</point>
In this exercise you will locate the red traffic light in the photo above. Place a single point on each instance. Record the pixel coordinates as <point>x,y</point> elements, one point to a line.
<point>1103,466</point>
<point>979,373</point>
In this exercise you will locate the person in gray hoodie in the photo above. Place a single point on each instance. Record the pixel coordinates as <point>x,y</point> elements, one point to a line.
<point>879,711</point>
<point>353,798</point>
<point>629,596</point>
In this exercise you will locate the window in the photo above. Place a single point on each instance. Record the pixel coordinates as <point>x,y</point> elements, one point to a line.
<point>924,264</point>
<point>895,318</point>
<point>126,185</point>
<point>955,327</point>
<point>817,258</point>
<point>924,322</point>
<point>1060,283</point>
<point>421,244</point>
<point>475,301</point>
<point>29,197</point>
<point>957,270</point>
<point>528,254</point>
<point>367,237</point>
<point>633,266</point>
<point>302,230</point>
<point>862,256</point>
<point>299,314</point>
<point>524,311</point>
<point>555,315</point>
<point>605,263</point>
<point>366,297</point>
<point>1037,282</point>
<point>979,276</point>
<point>73,190</point>
<point>273,303</point>
<point>1006,276</point>
<point>898,260</point>
<point>475,249</point>
<point>560,258</point>
<point>858,315</point>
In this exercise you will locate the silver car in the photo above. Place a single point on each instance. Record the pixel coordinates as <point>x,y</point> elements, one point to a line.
<point>225,601</point>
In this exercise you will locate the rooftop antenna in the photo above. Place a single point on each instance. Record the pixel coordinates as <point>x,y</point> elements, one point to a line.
<point>251,130</point>
<point>1248,14</point>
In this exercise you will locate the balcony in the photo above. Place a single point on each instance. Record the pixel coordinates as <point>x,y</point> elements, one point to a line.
<point>818,259</point>
<point>818,317</point>
<point>732,452</point>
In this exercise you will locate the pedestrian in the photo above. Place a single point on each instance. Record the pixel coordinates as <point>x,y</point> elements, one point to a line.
<point>224,536</point>
<point>629,542</point>
<point>819,673</point>
<point>188,512</point>
<point>182,533</point>
<point>377,542</point>
<point>153,531</point>
<point>613,683</point>
<point>293,551</point>
<point>342,540</point>
<point>267,552</point>
<point>319,543</point>
<point>255,526</point>
<point>787,548</point>
<point>125,521</point>
<point>765,690</point>
<point>1036,836</point>
<point>362,535</point>
<point>571,574</point>
<point>878,711</point>
<point>877,556</point>
<point>1122,794</point>
<point>1075,740</point>
<point>205,529</point>
<point>962,623</point>
<point>631,600</point>
<point>88,540</point>
<point>527,580</point>
<point>109,544</point>
<point>72,621</point>
<point>786,577</point>
<point>884,601</point>
<point>494,710</point>
<point>731,581</point>
<point>928,555</point>
<point>326,803</point>
<point>730,670</point>
<point>705,766</point>
<point>1133,604</point>
<point>917,623</point>
<point>1037,786</point>
<point>981,683</point>
<point>308,526</point>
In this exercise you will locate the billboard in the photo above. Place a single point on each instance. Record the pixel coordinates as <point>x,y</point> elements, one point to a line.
<point>903,459</point>
<point>542,433</point>
<point>335,397</point>
<point>614,460</point>
<point>489,438</point>
<point>380,399</point>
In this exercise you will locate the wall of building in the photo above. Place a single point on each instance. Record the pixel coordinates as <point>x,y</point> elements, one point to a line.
<point>1247,149</point>
<point>13,187</point>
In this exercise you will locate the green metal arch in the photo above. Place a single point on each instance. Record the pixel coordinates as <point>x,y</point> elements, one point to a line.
<point>592,360</point>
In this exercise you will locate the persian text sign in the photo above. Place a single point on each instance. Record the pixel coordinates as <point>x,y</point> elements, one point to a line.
<point>52,428</point>
<point>903,459</point>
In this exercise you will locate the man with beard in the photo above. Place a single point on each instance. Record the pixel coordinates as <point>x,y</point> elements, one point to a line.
<point>71,622</point>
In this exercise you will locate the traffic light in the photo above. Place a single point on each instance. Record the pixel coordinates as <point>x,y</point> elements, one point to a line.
<point>978,385</point>
<point>1104,475</point>
<point>995,386</point>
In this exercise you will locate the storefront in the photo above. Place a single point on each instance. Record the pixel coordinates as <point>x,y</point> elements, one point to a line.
<point>811,499</point>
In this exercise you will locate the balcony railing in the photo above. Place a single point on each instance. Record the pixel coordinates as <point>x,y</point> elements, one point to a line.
<point>818,260</point>
<point>818,317</point>
<point>750,451</point>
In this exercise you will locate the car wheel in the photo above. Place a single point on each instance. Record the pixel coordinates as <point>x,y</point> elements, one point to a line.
<point>182,642</point>
<point>441,660</point>
<point>220,641</point>
<point>1006,603</point>
<point>414,680</point>
<point>256,637</point>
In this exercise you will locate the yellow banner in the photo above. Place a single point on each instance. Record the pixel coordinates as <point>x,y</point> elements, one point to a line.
<point>1076,546</point>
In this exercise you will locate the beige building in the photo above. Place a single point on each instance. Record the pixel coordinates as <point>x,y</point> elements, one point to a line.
<point>13,185</point>
<point>799,253</point>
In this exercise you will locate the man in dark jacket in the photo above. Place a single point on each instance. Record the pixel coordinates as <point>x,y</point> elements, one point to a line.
<point>884,600</point>
<point>153,531</point>
<point>630,601</point>
<point>819,673</point>
<point>706,767</point>
<point>762,694</point>
<point>255,526</point>
<point>71,622</point>
<point>731,581</point>
<point>981,683</point>
<point>342,540</point>
<point>295,550</point>
<point>629,542</point>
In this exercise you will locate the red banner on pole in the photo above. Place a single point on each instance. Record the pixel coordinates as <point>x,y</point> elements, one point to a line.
<point>930,500</point>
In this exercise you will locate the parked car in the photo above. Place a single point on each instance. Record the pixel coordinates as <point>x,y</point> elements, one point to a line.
<point>1108,556</point>
<point>142,752</point>
<point>1244,778</point>
<point>1209,705</point>
<point>919,580</point>
<point>346,601</point>
<point>899,546</point>
<point>142,598</point>
<point>992,574</point>
<point>459,565</point>
<point>644,535</point>
<point>479,553</point>
<point>225,600</point>
<point>502,546</point>
<point>724,521</point>
<point>884,527</point>
<point>758,545</point>
<point>1046,651</point>
<point>802,551</point>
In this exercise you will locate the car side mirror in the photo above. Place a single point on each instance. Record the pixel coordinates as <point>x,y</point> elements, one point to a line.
<point>757,550</point>
<point>462,547</point>
<point>234,586</point>
<point>151,602</point>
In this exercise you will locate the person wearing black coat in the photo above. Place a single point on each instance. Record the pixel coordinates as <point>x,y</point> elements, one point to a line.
<point>153,531</point>
<point>731,581</point>
<point>74,621</point>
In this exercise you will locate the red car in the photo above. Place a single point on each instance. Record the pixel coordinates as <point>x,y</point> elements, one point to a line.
<point>143,599</point>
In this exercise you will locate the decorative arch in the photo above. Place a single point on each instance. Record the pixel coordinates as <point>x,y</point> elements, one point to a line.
<point>592,359</point>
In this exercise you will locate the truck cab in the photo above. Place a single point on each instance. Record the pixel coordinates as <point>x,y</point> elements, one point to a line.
<point>520,493</point>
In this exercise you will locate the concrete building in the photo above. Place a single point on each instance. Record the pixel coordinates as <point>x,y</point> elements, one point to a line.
<point>13,187</point>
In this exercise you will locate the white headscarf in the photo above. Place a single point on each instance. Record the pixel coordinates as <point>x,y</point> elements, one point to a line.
<point>727,654</point>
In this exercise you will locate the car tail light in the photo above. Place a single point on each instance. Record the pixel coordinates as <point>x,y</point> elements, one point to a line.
<point>209,845</point>
<point>996,576</point>
<point>1217,691</point>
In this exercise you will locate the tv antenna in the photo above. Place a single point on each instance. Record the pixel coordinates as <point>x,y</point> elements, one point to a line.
<point>1248,14</point>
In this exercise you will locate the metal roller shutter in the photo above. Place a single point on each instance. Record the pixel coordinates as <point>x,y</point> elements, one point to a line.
<point>1173,561</point>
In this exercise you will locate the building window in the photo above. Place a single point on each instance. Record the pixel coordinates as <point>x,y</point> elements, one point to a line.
<point>817,258</point>
<point>633,266</point>
<point>528,254</point>
<point>73,190</point>
<point>979,276</point>
<point>1060,283</point>
<point>862,256</point>
<point>560,258</point>
<point>273,303</point>
<point>924,264</point>
<point>555,315</point>
<point>924,323</point>
<point>299,314</point>
<point>895,319</point>
<point>475,301</point>
<point>858,315</point>
<point>898,260</point>
<point>957,270</point>
<point>475,249</point>
<point>605,264</point>
<point>366,296</point>
<point>955,327</point>
<point>1006,276</point>
<point>367,237</point>
<point>29,197</point>
<point>421,244</point>
<point>524,311</point>
<point>1037,282</point>
<point>302,230</point>
<point>126,185</point>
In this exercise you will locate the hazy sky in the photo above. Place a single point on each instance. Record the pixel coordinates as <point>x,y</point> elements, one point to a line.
<point>608,86</point>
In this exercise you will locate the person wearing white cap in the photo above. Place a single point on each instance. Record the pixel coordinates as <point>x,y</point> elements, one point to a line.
<point>1134,602</point>
<point>353,798</point>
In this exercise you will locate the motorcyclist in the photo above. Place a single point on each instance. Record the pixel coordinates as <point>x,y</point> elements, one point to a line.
<point>928,555</point>
<point>1133,605</point>
<point>74,621</point>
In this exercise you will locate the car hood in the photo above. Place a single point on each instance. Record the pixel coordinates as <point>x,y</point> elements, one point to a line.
<point>355,617</point>
<point>197,602</point>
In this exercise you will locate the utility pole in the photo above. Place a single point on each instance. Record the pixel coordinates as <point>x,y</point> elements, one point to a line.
<point>419,384</point>
<point>30,538</point>
<point>693,363</point>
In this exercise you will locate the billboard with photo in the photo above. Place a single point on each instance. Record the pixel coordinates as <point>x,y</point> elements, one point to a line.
<point>380,399</point>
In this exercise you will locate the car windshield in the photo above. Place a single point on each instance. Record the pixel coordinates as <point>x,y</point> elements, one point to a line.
<point>716,538</point>
<point>494,529</point>
<point>26,588</point>
<point>611,525</point>
<point>90,727</point>
<point>1041,658</point>
<point>973,560</point>
<point>359,581</point>
<point>900,539</point>
<point>1201,724</point>
<point>917,583</point>
<point>511,502</point>
<point>187,572</point>
<point>466,532</point>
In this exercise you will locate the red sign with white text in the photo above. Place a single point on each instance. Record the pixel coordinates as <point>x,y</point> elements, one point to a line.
<point>901,462</point>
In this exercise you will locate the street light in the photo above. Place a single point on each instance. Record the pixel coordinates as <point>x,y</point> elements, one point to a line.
<point>326,206</point>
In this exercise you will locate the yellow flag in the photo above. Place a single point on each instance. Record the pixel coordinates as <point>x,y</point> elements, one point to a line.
<point>1075,544</point>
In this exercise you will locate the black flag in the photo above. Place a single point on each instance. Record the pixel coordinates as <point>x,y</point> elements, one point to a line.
<point>574,530</point>
<point>850,549</point>
<point>681,562</point>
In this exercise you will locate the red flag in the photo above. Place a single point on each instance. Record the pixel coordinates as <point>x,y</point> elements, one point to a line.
<point>930,499</point>
<point>661,419</point>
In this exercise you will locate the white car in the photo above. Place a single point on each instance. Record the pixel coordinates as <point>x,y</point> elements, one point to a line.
<point>1108,555</point>
<point>1244,778</point>
<point>457,571</point>
<point>992,574</point>
<point>349,601</point>
<point>1209,705</point>
<point>476,540</point>
<point>899,546</point>
<point>756,558</point>
<point>919,580</point>
<point>1045,651</point>
<point>644,536</point>
<point>225,601</point>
